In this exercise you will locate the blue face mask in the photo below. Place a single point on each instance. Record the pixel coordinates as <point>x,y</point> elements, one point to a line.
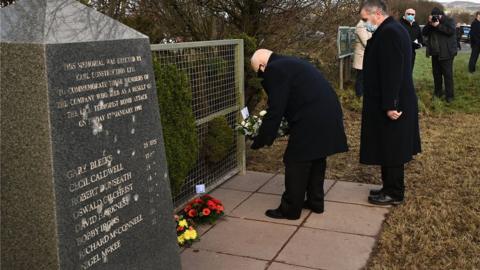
<point>370,27</point>
<point>410,18</point>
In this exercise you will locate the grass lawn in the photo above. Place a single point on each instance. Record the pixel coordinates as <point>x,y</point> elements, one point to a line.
<point>438,227</point>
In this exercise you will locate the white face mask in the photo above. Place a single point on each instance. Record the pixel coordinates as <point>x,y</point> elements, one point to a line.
<point>370,27</point>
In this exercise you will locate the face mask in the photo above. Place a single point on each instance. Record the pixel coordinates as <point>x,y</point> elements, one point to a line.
<point>370,27</point>
<point>410,18</point>
<point>260,73</point>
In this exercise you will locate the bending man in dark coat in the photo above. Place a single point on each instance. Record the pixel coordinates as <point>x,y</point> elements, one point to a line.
<point>297,91</point>
<point>390,133</point>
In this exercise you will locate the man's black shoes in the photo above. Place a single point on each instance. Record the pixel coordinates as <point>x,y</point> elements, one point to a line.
<point>384,199</point>
<point>375,192</point>
<point>306,205</point>
<point>277,214</point>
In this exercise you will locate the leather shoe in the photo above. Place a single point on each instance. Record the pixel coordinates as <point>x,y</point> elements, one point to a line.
<point>277,214</point>
<point>375,192</point>
<point>306,205</point>
<point>383,199</point>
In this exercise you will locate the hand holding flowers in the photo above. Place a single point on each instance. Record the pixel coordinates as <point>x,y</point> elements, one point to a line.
<point>251,125</point>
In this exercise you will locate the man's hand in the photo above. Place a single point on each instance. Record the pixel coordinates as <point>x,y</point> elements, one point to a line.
<point>435,24</point>
<point>393,114</point>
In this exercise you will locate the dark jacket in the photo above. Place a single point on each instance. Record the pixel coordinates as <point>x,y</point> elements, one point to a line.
<point>297,91</point>
<point>475,33</point>
<point>441,40</point>
<point>389,86</point>
<point>414,31</point>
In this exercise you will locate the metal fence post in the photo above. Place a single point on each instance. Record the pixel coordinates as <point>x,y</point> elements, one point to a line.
<point>239,72</point>
<point>341,73</point>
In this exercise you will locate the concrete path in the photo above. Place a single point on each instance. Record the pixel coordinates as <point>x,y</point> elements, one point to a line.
<point>340,238</point>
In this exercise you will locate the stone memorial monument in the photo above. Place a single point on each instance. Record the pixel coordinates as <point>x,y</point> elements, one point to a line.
<point>84,182</point>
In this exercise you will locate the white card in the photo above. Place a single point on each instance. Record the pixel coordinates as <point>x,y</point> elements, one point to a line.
<point>245,113</point>
<point>200,188</point>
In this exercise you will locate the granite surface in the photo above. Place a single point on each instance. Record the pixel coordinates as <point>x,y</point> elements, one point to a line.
<point>59,21</point>
<point>27,201</point>
<point>84,175</point>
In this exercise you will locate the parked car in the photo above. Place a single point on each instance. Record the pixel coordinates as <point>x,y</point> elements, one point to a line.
<point>466,33</point>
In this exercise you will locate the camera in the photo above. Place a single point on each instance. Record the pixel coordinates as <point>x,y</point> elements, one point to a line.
<point>435,18</point>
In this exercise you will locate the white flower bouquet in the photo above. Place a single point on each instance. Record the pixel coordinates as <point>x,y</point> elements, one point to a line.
<point>250,126</point>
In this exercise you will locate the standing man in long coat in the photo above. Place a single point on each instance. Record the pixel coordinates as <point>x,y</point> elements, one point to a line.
<point>297,91</point>
<point>474,42</point>
<point>390,132</point>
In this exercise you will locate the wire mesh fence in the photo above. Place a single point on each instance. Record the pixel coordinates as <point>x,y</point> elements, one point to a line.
<point>215,72</point>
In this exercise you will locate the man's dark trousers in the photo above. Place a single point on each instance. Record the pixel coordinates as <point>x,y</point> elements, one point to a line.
<point>301,177</point>
<point>442,72</point>
<point>473,57</point>
<point>393,181</point>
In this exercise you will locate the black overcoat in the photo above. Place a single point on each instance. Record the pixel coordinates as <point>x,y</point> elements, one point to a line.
<point>389,86</point>
<point>414,31</point>
<point>298,91</point>
<point>475,33</point>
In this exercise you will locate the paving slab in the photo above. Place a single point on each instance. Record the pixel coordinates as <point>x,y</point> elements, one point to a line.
<point>230,198</point>
<point>349,218</point>
<point>207,260</point>
<point>251,181</point>
<point>282,266</point>
<point>351,192</point>
<point>256,239</point>
<point>203,228</point>
<point>276,185</point>
<point>257,204</point>
<point>327,250</point>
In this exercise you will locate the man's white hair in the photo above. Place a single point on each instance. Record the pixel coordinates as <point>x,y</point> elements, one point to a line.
<point>260,57</point>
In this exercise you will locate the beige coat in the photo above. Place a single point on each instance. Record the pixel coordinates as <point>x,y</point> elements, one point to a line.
<point>362,35</point>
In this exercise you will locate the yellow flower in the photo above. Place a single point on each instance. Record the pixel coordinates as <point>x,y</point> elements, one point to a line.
<point>190,234</point>
<point>183,223</point>
<point>181,239</point>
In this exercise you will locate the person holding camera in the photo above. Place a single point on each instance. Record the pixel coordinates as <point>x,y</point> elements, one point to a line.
<point>442,47</point>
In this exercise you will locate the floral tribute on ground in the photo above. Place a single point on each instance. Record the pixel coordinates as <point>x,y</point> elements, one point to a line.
<point>186,233</point>
<point>202,210</point>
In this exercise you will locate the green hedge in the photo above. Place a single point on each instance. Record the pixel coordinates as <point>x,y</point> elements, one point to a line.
<point>178,122</point>
<point>218,141</point>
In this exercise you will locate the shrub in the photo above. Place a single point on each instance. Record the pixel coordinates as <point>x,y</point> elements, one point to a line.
<point>218,141</point>
<point>178,122</point>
